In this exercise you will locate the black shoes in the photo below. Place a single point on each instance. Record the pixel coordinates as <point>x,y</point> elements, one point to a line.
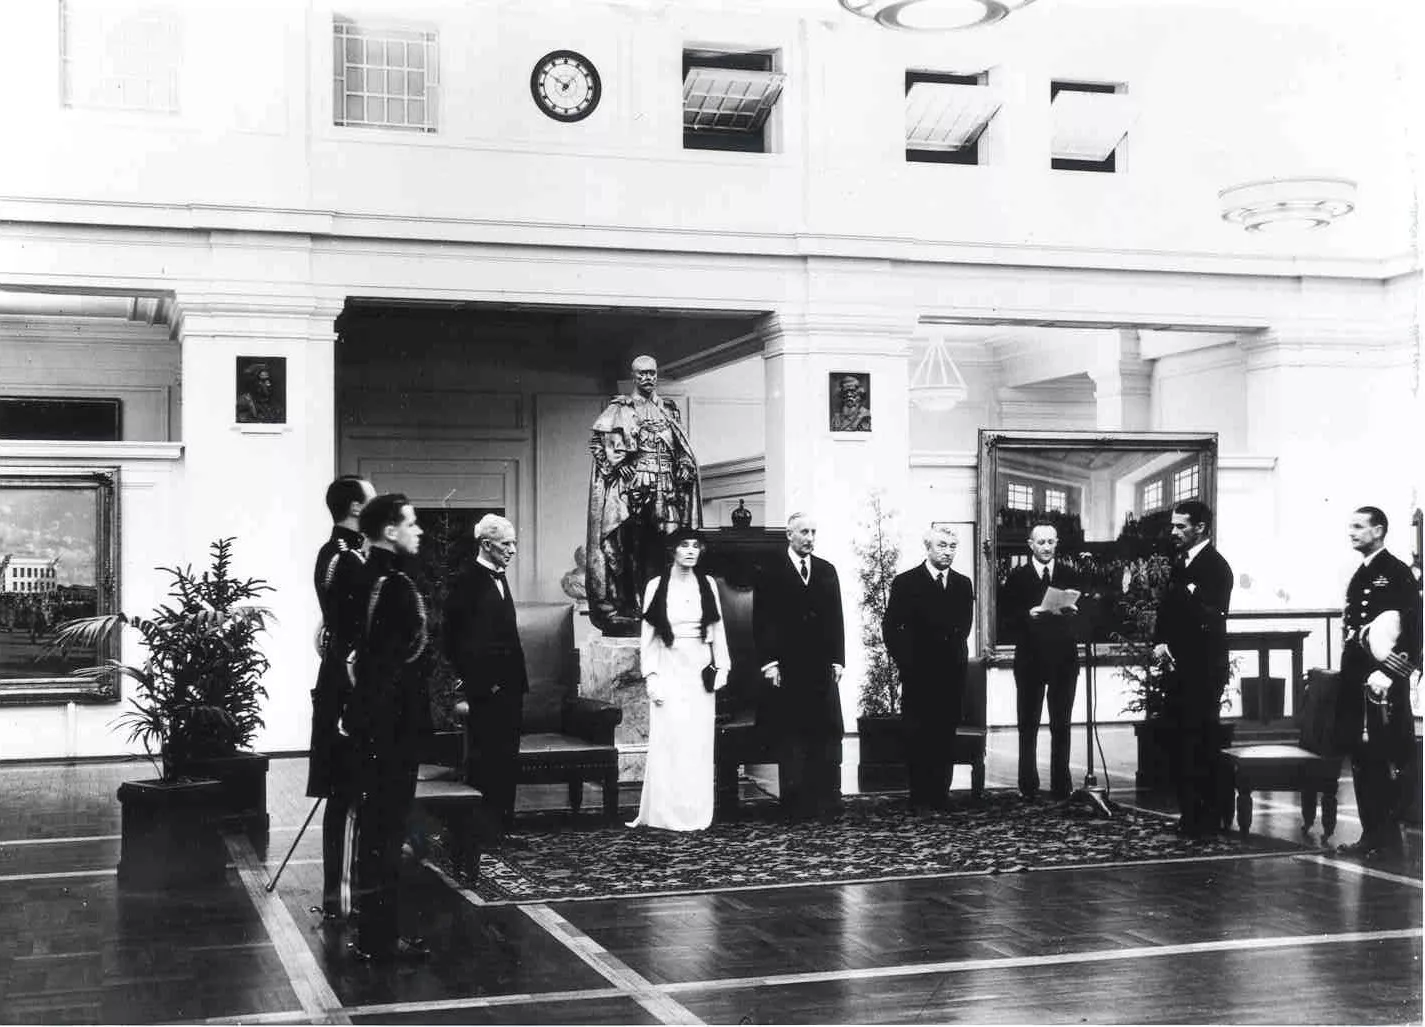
<point>1373,847</point>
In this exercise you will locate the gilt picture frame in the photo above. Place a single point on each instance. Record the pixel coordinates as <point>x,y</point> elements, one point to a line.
<point>59,559</point>
<point>1109,496</point>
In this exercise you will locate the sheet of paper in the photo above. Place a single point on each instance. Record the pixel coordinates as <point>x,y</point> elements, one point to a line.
<point>1056,599</point>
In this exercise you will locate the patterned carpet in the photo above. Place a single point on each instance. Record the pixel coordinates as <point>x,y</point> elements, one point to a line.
<point>876,838</point>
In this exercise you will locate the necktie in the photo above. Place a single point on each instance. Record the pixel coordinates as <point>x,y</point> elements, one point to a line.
<point>940,581</point>
<point>806,571</point>
<point>1044,573</point>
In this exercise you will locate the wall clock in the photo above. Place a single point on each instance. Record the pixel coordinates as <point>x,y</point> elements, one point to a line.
<point>565,85</point>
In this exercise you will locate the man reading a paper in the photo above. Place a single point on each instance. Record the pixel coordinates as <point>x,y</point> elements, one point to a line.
<point>1039,602</point>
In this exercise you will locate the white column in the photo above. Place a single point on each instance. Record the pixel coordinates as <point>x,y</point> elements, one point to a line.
<point>262,483</point>
<point>1122,384</point>
<point>831,474</point>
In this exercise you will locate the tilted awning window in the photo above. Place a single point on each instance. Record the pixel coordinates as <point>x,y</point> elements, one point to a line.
<point>947,116</point>
<point>1089,126</point>
<point>729,99</point>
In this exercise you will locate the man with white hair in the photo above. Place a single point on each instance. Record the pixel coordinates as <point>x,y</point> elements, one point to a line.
<point>482,642</point>
<point>926,628</point>
<point>800,638</point>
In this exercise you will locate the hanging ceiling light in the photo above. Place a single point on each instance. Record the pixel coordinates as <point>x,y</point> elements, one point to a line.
<point>934,15</point>
<point>1288,204</point>
<point>936,383</point>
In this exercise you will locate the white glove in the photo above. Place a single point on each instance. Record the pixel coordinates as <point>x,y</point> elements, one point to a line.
<point>1378,682</point>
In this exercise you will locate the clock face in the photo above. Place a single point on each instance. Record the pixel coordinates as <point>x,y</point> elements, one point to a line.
<point>565,85</point>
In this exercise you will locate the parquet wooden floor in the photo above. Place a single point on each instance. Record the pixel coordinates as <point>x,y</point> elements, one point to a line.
<point>1304,937</point>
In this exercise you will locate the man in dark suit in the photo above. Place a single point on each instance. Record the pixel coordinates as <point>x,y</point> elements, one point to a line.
<point>926,625</point>
<point>800,639</point>
<point>482,641</point>
<point>1191,637</point>
<point>1046,659</point>
<point>389,710</point>
<point>1381,652</point>
<point>330,768</point>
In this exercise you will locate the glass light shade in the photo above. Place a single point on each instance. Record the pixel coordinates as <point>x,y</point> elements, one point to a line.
<point>936,383</point>
<point>934,15</point>
<point>1282,205</point>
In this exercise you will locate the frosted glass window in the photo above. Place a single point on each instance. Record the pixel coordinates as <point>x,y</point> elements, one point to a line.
<point>119,56</point>
<point>374,85</point>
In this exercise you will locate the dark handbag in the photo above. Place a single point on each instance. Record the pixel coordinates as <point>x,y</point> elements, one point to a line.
<point>709,677</point>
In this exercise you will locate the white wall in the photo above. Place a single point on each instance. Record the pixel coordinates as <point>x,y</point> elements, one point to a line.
<point>258,137</point>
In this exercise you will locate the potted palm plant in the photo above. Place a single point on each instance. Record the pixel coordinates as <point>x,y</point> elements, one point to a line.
<point>878,724</point>
<point>195,708</point>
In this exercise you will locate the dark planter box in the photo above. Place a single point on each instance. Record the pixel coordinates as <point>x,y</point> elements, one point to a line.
<point>171,834</point>
<point>1263,698</point>
<point>242,799</point>
<point>881,767</point>
<point>1154,755</point>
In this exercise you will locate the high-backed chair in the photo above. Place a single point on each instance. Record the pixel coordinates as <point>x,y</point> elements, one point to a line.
<point>1311,767</point>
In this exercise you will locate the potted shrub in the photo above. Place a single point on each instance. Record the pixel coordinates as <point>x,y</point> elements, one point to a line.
<point>1143,581</point>
<point>878,724</point>
<point>195,708</point>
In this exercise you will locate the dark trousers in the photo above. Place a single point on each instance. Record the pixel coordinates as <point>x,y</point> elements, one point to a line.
<point>493,729</point>
<point>809,775</point>
<point>381,830</point>
<point>1032,681</point>
<point>1193,759</point>
<point>929,731</point>
<point>1377,765</point>
<point>338,850</point>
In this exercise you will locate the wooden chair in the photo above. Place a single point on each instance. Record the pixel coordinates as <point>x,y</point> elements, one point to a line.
<point>1311,767</point>
<point>443,792</point>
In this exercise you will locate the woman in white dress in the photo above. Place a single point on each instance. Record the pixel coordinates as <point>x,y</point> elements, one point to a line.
<point>682,634</point>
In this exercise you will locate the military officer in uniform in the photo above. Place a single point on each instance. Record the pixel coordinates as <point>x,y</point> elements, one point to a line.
<point>1380,655</point>
<point>330,769</point>
<point>390,707</point>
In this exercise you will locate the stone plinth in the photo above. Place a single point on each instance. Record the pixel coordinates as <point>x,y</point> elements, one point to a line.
<point>609,670</point>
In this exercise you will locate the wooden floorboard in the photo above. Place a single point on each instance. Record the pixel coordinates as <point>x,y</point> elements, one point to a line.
<point>81,951</point>
<point>475,952</point>
<point>1274,939</point>
<point>1369,983</point>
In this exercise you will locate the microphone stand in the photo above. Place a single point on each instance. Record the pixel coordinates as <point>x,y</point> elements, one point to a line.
<point>1091,796</point>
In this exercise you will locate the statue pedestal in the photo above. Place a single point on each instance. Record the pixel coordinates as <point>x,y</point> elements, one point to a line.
<point>609,670</point>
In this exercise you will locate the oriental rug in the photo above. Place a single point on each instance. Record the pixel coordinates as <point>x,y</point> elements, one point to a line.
<point>876,838</point>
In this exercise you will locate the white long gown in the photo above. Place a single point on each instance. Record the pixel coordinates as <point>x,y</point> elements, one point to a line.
<point>678,778</point>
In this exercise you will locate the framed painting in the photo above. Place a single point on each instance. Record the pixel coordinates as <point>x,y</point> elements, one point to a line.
<point>849,401</point>
<point>59,559</point>
<point>261,396</point>
<point>1108,496</point>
